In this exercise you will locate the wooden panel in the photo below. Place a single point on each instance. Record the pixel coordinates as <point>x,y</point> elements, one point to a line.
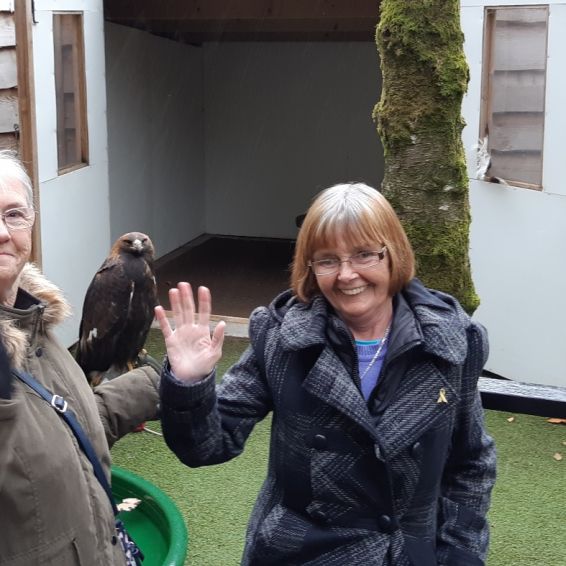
<point>521,91</point>
<point>516,130</point>
<point>9,112</point>
<point>521,166</point>
<point>7,30</point>
<point>8,68</point>
<point>26,98</point>
<point>527,15</point>
<point>519,46</point>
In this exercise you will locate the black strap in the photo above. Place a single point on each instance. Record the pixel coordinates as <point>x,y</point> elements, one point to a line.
<point>60,405</point>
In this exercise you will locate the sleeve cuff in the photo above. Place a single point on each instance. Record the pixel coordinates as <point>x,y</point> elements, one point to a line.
<point>180,395</point>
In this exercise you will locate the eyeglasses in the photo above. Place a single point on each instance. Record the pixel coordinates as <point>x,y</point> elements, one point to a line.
<point>361,260</point>
<point>18,218</point>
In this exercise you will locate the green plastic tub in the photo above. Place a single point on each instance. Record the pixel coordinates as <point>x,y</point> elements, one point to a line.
<point>156,524</point>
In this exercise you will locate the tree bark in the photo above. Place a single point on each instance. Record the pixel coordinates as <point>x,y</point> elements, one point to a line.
<point>425,76</point>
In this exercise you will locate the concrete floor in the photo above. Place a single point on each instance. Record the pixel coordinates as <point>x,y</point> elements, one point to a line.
<point>241,273</point>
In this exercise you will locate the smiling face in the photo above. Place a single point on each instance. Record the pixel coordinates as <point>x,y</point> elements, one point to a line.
<point>361,297</point>
<point>15,245</point>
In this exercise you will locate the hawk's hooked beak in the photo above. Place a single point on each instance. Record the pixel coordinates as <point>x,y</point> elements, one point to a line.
<point>137,244</point>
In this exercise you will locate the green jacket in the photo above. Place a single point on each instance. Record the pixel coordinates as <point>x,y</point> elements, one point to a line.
<point>53,509</point>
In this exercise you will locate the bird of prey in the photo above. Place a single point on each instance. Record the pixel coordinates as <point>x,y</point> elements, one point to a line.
<point>118,309</point>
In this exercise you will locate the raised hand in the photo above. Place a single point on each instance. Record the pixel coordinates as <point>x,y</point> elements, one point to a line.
<point>192,350</point>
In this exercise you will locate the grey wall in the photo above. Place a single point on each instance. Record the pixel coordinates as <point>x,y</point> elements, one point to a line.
<point>284,120</point>
<point>233,138</point>
<point>155,137</point>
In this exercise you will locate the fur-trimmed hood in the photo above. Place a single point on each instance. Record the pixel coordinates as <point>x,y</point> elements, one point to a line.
<point>18,326</point>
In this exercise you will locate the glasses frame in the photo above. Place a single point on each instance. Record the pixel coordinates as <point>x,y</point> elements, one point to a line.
<point>29,216</point>
<point>380,257</point>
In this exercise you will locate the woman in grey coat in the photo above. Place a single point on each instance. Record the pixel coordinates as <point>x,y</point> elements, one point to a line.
<point>378,450</point>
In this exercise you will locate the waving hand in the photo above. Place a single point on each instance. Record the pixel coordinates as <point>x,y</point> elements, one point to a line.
<point>192,350</point>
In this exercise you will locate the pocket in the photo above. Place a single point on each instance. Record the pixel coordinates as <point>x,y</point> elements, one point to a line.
<point>280,537</point>
<point>68,554</point>
<point>432,447</point>
<point>62,551</point>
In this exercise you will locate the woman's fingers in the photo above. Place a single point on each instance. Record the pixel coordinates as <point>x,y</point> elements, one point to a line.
<point>187,302</point>
<point>192,349</point>
<point>163,322</point>
<point>182,304</point>
<point>204,306</point>
<point>218,337</point>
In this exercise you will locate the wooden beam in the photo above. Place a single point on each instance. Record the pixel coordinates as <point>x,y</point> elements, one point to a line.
<point>26,102</point>
<point>200,20</point>
<point>524,398</point>
<point>183,10</point>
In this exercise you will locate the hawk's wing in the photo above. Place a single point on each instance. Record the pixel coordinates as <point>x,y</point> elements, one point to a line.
<point>104,316</point>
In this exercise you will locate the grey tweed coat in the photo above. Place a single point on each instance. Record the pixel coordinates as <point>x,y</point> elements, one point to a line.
<point>403,479</point>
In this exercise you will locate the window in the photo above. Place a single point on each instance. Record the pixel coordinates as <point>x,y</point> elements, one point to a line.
<point>513,92</point>
<point>70,91</point>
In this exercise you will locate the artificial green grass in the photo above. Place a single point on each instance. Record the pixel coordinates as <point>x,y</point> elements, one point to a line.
<point>527,514</point>
<point>216,501</point>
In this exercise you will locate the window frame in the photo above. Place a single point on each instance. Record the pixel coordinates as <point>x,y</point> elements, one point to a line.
<point>487,91</point>
<point>79,80</point>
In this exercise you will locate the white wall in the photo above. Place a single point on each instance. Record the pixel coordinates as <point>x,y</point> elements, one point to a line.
<point>233,138</point>
<point>284,120</point>
<point>155,137</point>
<point>75,228</point>
<point>518,236</point>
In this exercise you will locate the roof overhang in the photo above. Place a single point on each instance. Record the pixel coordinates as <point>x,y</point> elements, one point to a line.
<point>196,21</point>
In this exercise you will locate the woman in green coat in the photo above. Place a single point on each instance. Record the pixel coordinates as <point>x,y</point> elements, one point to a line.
<point>53,509</point>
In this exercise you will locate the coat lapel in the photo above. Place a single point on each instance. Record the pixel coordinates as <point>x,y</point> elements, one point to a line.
<point>426,390</point>
<point>425,398</point>
<point>330,382</point>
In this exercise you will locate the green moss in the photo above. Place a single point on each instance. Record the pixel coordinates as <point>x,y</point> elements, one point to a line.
<point>421,50</point>
<point>440,261</point>
<point>418,118</point>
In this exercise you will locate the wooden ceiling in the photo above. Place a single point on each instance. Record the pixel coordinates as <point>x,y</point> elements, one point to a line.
<point>195,21</point>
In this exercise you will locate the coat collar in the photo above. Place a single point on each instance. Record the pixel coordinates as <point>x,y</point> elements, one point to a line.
<point>441,320</point>
<point>40,304</point>
<point>422,316</point>
<point>424,319</point>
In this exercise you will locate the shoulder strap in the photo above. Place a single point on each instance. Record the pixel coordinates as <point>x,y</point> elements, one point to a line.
<point>60,405</point>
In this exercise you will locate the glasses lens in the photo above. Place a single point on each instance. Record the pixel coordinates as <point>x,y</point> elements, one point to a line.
<point>365,259</point>
<point>19,218</point>
<point>325,266</point>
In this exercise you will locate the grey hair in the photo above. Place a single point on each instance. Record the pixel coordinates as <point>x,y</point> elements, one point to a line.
<point>12,169</point>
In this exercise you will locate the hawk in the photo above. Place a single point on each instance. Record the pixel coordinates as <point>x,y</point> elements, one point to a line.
<point>118,309</point>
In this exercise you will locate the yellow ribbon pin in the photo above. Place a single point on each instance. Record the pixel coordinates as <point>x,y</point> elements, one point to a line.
<point>442,396</point>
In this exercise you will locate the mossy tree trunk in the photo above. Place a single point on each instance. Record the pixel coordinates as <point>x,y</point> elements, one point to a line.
<point>425,76</point>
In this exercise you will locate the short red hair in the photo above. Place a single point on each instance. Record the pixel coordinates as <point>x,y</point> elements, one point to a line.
<point>363,217</point>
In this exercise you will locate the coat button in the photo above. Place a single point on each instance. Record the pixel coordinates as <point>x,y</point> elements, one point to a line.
<point>385,523</point>
<point>319,442</point>
<point>417,449</point>
<point>320,516</point>
<point>114,540</point>
<point>39,352</point>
